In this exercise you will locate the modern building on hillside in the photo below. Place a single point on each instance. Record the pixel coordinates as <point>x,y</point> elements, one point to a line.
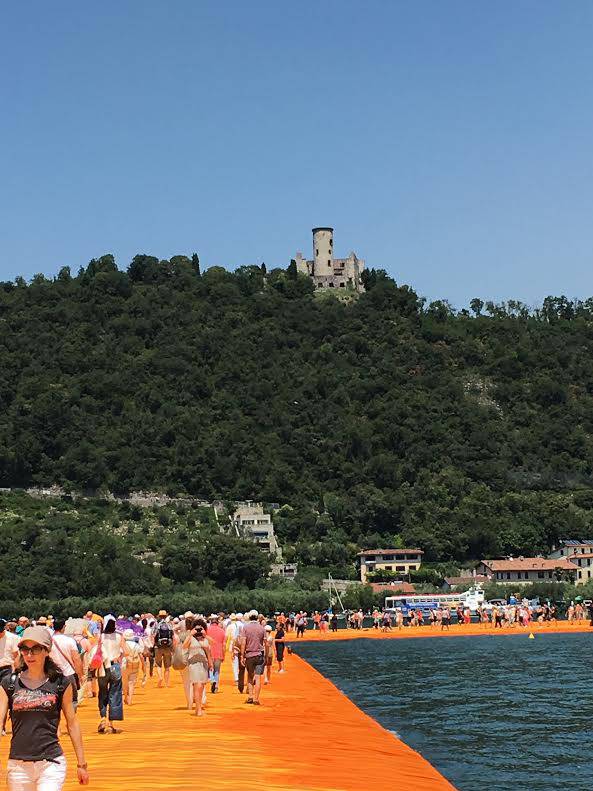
<point>397,560</point>
<point>327,271</point>
<point>514,571</point>
<point>250,521</point>
<point>568,547</point>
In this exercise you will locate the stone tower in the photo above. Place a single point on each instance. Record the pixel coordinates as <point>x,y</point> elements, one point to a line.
<point>323,252</point>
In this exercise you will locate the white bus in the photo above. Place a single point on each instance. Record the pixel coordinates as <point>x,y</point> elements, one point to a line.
<point>472,598</point>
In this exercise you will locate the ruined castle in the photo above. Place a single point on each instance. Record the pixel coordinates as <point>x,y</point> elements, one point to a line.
<point>327,271</point>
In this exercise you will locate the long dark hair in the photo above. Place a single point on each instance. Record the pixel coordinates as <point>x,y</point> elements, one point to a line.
<point>52,671</point>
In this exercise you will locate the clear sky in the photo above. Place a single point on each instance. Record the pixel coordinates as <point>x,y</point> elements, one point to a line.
<point>450,143</point>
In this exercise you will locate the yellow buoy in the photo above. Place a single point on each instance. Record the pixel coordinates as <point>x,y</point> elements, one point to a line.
<point>531,636</point>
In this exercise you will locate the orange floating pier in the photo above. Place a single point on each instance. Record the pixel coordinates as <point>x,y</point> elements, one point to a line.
<point>306,735</point>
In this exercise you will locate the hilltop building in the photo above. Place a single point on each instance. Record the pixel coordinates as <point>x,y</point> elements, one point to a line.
<point>250,521</point>
<point>327,271</point>
<point>398,560</point>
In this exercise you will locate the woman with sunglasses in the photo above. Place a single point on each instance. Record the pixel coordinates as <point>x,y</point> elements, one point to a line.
<point>36,694</point>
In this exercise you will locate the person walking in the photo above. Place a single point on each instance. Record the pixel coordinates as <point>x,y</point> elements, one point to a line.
<point>36,695</point>
<point>217,637</point>
<point>163,648</point>
<point>131,665</point>
<point>232,633</point>
<point>66,656</point>
<point>253,657</point>
<point>279,646</point>
<point>199,662</point>
<point>107,657</point>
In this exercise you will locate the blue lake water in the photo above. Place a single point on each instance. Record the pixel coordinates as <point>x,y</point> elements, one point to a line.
<point>500,712</point>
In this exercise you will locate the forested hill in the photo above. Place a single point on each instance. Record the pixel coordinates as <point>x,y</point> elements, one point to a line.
<point>377,420</point>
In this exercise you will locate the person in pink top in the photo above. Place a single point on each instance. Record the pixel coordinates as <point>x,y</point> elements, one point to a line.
<point>217,638</point>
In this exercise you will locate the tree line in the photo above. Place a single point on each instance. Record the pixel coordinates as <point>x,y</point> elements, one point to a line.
<point>387,420</point>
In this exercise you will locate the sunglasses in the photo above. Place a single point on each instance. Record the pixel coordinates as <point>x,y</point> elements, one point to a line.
<point>33,649</point>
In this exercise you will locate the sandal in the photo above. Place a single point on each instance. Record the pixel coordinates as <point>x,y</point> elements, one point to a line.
<point>111,729</point>
<point>102,728</point>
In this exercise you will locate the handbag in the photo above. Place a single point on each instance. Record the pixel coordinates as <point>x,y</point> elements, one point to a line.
<point>179,659</point>
<point>97,658</point>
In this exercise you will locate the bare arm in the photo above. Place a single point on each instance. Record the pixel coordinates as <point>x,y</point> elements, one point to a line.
<point>76,662</point>
<point>75,735</point>
<point>187,641</point>
<point>209,656</point>
<point>3,704</point>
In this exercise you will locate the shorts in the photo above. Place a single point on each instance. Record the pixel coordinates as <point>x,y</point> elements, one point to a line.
<point>163,657</point>
<point>254,666</point>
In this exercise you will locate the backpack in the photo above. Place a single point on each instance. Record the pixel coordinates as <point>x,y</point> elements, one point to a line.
<point>164,635</point>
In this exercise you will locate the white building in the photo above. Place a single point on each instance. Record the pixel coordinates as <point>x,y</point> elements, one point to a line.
<point>250,521</point>
<point>567,547</point>
<point>511,571</point>
<point>327,271</point>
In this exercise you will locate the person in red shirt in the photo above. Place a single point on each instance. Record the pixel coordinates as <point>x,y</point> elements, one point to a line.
<point>217,637</point>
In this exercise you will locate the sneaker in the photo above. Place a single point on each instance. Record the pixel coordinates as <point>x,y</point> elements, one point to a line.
<point>249,700</point>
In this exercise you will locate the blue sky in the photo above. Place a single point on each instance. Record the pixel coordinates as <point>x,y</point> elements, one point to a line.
<point>449,143</point>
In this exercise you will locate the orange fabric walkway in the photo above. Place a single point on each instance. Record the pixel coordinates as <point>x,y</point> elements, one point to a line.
<point>306,735</point>
<point>459,630</point>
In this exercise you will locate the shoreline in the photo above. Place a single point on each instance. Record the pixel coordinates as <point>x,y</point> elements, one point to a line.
<point>456,630</point>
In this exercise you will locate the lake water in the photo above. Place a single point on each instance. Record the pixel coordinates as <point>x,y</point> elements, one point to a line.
<point>502,712</point>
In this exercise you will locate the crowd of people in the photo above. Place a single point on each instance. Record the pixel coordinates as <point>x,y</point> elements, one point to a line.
<point>50,666</point>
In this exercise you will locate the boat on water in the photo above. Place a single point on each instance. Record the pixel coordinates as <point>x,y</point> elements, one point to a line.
<point>425,602</point>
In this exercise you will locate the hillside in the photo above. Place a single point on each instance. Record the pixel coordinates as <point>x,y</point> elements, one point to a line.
<point>467,433</point>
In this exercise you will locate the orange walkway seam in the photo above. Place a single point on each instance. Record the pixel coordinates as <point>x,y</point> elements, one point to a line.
<point>306,735</point>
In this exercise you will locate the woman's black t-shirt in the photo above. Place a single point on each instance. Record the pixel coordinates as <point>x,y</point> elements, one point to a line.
<point>35,714</point>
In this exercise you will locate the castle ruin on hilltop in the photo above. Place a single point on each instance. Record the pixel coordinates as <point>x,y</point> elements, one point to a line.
<point>327,271</point>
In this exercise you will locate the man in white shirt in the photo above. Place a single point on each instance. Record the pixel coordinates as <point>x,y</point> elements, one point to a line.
<point>64,652</point>
<point>9,650</point>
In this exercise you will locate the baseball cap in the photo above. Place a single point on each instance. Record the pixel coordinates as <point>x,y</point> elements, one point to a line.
<point>268,628</point>
<point>36,634</point>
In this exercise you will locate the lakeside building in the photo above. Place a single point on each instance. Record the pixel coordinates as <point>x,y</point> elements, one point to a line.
<point>522,570</point>
<point>250,521</point>
<point>327,271</point>
<point>569,547</point>
<point>397,560</point>
<point>393,587</point>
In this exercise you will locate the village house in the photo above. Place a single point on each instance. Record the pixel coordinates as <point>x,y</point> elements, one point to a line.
<point>568,547</point>
<point>397,560</point>
<point>524,570</point>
